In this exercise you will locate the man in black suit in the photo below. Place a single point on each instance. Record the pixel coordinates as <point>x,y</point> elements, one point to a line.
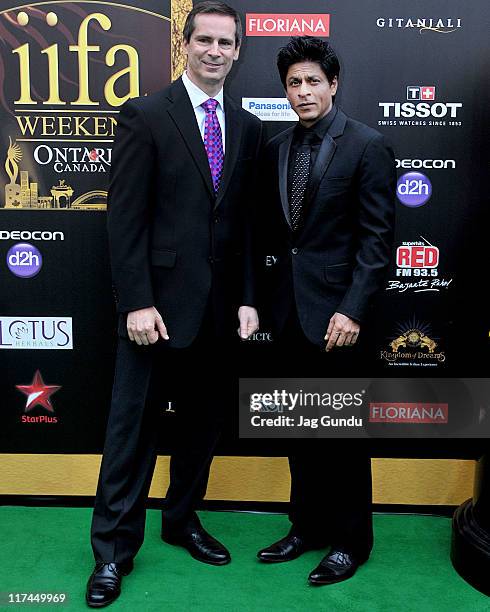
<point>327,217</point>
<point>182,173</point>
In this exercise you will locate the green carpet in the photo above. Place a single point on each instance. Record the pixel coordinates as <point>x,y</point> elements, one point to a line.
<point>48,550</point>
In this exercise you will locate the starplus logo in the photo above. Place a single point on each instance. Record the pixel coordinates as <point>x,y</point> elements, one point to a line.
<point>38,394</point>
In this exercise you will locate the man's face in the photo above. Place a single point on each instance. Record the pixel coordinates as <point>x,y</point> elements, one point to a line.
<point>309,92</point>
<point>211,51</point>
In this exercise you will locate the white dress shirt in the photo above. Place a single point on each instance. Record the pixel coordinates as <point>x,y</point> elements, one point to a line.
<point>197,97</point>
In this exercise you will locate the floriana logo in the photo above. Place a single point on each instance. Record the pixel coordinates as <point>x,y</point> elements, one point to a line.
<point>407,412</point>
<point>414,345</point>
<point>282,24</point>
<point>38,394</point>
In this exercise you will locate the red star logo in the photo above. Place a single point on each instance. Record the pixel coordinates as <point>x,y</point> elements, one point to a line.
<point>38,393</point>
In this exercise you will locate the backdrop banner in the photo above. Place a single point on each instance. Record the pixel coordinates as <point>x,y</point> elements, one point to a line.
<point>418,73</point>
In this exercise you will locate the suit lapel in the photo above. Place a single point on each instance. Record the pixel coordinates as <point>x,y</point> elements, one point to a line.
<point>323,160</point>
<point>325,154</point>
<point>283,158</point>
<point>184,118</point>
<point>233,135</point>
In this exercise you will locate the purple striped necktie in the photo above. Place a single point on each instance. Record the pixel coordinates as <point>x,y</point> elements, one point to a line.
<point>213,141</point>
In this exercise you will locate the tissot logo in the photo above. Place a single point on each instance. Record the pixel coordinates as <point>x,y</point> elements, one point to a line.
<point>272,24</point>
<point>421,92</point>
<point>421,109</point>
<point>407,412</point>
<point>38,394</point>
<point>36,333</point>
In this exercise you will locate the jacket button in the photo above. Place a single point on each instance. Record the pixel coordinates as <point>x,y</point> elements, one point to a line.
<point>294,251</point>
<point>216,219</point>
<point>211,259</point>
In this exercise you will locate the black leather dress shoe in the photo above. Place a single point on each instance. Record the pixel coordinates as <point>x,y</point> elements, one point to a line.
<point>287,549</point>
<point>338,565</point>
<point>200,544</point>
<point>104,584</point>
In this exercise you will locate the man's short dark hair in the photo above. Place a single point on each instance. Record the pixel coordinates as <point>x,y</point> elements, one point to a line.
<point>212,7</point>
<point>308,49</point>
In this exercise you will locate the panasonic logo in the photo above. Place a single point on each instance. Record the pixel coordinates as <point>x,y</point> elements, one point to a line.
<point>425,163</point>
<point>27,235</point>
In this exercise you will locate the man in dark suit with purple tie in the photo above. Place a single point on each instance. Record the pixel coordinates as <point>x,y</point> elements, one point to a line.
<point>178,219</point>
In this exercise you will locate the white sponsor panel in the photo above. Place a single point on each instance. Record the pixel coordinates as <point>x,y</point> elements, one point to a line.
<point>36,333</point>
<point>270,109</point>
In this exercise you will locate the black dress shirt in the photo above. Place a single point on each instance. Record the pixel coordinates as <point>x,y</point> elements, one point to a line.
<point>313,136</point>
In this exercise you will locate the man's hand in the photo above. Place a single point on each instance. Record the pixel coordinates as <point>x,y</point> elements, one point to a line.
<point>249,321</point>
<point>341,331</point>
<point>145,325</point>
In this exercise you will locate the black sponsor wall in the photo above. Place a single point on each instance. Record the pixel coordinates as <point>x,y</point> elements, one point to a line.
<point>422,84</point>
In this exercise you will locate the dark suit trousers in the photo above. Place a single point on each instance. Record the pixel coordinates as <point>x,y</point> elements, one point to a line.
<point>144,374</point>
<point>331,487</point>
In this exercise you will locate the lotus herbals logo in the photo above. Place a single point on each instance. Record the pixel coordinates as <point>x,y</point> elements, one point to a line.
<point>414,345</point>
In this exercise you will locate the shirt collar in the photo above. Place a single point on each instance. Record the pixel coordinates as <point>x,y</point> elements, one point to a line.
<point>320,128</point>
<point>198,96</point>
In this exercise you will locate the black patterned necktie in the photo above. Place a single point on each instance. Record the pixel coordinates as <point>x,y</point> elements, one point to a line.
<point>299,183</point>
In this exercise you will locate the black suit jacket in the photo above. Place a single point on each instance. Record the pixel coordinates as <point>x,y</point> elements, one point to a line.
<point>171,239</point>
<point>337,261</point>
